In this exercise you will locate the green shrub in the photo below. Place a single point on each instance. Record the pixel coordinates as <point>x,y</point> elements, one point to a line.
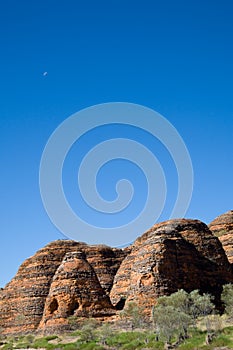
<point>192,343</point>
<point>8,346</point>
<point>222,340</point>
<point>75,333</point>
<point>105,332</point>
<point>42,343</point>
<point>71,346</point>
<point>133,315</point>
<point>227,330</point>
<point>88,331</point>
<point>125,338</point>
<point>227,299</point>
<point>155,345</point>
<point>133,345</point>
<point>90,346</point>
<point>51,337</point>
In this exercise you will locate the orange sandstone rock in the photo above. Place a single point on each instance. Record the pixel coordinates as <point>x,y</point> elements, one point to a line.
<point>222,227</point>
<point>67,278</point>
<point>23,299</point>
<point>75,291</point>
<point>176,254</point>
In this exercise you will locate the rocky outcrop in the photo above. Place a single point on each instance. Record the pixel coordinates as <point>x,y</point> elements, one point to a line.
<point>177,254</point>
<point>68,278</point>
<point>222,227</point>
<point>23,299</point>
<point>75,291</point>
<point>105,262</point>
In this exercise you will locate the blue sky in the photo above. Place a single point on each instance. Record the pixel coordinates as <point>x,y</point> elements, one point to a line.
<point>172,56</point>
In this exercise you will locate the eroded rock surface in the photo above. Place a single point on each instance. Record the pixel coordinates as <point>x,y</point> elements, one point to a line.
<point>75,291</point>
<point>222,227</point>
<point>172,255</point>
<point>23,299</point>
<point>68,278</point>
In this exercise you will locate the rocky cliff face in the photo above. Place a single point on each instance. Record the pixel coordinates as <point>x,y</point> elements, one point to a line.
<point>222,227</point>
<point>75,291</point>
<point>172,255</point>
<point>22,300</point>
<point>25,301</point>
<point>68,278</point>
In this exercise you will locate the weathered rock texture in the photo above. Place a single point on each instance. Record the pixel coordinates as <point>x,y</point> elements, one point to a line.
<point>222,227</point>
<point>68,278</point>
<point>75,290</point>
<point>22,301</point>
<point>172,255</point>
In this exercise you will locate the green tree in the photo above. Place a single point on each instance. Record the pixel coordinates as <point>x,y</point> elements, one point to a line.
<point>88,331</point>
<point>170,322</point>
<point>73,322</point>
<point>183,309</point>
<point>180,300</point>
<point>105,332</point>
<point>201,305</point>
<point>193,304</point>
<point>227,299</point>
<point>133,315</point>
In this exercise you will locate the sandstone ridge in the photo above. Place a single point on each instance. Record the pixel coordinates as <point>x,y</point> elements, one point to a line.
<point>67,278</point>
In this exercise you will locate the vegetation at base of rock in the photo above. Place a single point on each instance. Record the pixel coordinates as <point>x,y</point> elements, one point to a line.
<point>131,340</point>
<point>182,321</point>
<point>133,316</point>
<point>67,286</point>
<point>227,299</point>
<point>67,281</point>
<point>174,314</point>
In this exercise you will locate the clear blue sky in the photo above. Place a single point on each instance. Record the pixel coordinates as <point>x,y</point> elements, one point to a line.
<point>173,56</point>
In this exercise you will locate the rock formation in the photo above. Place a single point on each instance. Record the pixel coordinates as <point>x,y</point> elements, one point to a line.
<point>75,290</point>
<point>68,278</point>
<point>222,227</point>
<point>23,299</point>
<point>177,254</point>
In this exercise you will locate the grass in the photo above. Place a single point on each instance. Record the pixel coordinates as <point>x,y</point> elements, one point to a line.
<point>118,340</point>
<point>196,341</point>
<point>42,343</point>
<point>223,340</point>
<point>134,340</point>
